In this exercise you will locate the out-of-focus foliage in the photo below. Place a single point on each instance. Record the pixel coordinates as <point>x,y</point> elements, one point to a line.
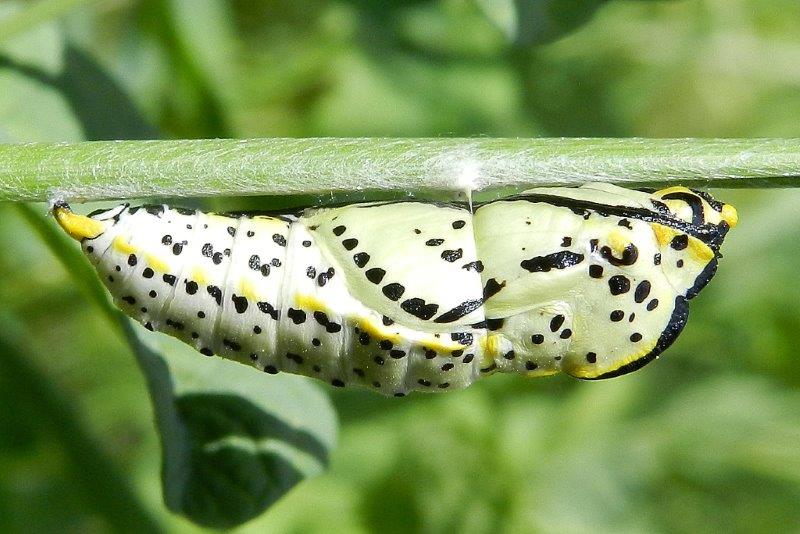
<point>705,439</point>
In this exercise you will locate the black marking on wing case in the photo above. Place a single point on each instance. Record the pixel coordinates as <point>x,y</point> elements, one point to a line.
<point>556,260</point>
<point>676,323</point>
<point>710,234</point>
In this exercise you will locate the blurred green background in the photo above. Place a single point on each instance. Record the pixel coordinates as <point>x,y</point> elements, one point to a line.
<point>706,439</point>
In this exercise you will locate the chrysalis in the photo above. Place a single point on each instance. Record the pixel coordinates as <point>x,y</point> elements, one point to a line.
<point>402,296</point>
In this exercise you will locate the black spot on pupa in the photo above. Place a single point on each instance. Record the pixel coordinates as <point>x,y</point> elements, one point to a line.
<point>271,369</point>
<point>177,248</point>
<point>652,305</point>
<point>364,338</point>
<point>530,366</point>
<point>393,291</point>
<point>556,322</point>
<point>132,260</point>
<point>279,240</point>
<point>149,325</point>
<point>255,262</point>
<point>208,352</point>
<point>452,255</point>
<point>361,259</point>
<point>596,271</point>
<point>191,287</point>
<point>419,308</point>
<point>297,316</point>
<point>375,275</point>
<point>232,231</point>
<point>339,230</point>
<point>477,266</point>
<point>275,262</point>
<point>679,264</point>
<point>316,342</point>
<point>217,258</point>
<point>636,337</point>
<point>459,224</point>
<point>679,242</point>
<point>625,223</point>
<point>566,334</point>
<point>386,321</point>
<point>129,299</point>
<point>657,258</point>
<point>385,344</point>
<point>617,315</point>
<point>216,293</point>
<point>265,269</point>
<point>269,309</point>
<point>462,338</point>
<point>619,284</point>
<point>397,354</point>
<point>430,354</point>
<point>240,303</point>
<point>378,359</point>
<point>566,241</point>
<point>169,278</point>
<point>510,355</point>
<point>333,328</point>
<point>166,240</point>
<point>591,357</point>
<point>201,315</point>
<point>148,272</point>
<point>556,260</point>
<point>306,243</point>
<point>434,242</point>
<point>152,294</point>
<point>492,287</point>
<point>154,210</point>
<point>311,272</point>
<point>537,339</point>
<point>207,250</point>
<point>642,291</point>
<point>350,244</point>
<point>321,317</point>
<point>250,233</point>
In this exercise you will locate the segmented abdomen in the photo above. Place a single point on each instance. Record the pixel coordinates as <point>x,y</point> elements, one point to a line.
<point>260,290</point>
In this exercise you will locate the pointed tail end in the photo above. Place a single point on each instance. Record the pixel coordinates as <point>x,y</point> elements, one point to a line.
<point>79,227</point>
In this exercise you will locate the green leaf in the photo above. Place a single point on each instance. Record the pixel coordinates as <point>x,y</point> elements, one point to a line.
<point>234,440</point>
<point>52,90</point>
<point>93,475</point>
<point>529,22</point>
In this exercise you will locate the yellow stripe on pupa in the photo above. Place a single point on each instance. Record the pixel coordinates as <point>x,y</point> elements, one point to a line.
<point>120,245</point>
<point>78,226</point>
<point>698,250</point>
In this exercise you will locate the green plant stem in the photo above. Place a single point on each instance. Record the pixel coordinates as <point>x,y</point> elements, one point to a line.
<point>129,169</point>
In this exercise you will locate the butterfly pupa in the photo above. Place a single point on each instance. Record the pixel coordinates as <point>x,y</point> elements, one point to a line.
<point>401,296</point>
